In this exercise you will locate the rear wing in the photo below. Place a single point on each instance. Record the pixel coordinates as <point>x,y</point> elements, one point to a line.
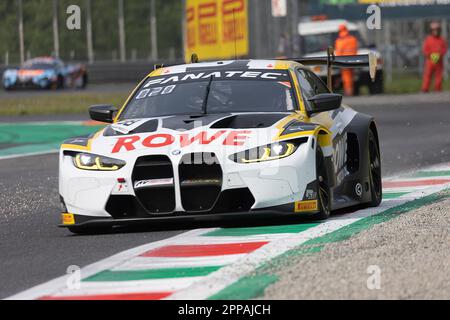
<point>332,61</point>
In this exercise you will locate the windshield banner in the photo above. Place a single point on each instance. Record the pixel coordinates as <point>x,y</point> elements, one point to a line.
<point>279,75</point>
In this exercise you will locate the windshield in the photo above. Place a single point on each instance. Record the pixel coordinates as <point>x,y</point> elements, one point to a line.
<point>229,92</point>
<point>38,64</point>
<point>320,42</point>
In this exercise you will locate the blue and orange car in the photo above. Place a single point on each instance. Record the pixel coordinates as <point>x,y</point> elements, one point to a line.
<point>45,73</point>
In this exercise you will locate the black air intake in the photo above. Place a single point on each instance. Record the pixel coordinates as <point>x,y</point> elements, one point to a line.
<point>153,183</point>
<point>234,200</point>
<point>200,181</point>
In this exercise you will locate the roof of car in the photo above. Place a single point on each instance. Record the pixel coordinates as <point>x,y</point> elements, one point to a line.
<point>225,65</point>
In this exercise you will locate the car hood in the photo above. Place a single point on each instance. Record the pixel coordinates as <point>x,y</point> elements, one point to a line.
<point>223,134</point>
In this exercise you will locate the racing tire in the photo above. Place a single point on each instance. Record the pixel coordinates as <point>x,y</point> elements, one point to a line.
<point>52,86</point>
<point>84,82</point>
<point>90,230</point>
<point>60,83</point>
<point>375,179</point>
<point>323,190</point>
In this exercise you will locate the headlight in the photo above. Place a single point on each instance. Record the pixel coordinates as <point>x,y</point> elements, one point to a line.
<point>87,161</point>
<point>270,152</point>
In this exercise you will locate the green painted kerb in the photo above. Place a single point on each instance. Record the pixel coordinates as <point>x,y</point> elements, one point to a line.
<point>431,174</point>
<point>134,275</point>
<point>233,232</point>
<point>393,195</point>
<point>253,286</point>
<point>246,288</point>
<point>39,137</point>
<point>346,232</point>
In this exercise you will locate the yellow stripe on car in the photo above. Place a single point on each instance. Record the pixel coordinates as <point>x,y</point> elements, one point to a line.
<point>129,98</point>
<point>83,148</point>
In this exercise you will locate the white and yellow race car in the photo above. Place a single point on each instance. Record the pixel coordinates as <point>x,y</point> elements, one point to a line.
<point>222,139</point>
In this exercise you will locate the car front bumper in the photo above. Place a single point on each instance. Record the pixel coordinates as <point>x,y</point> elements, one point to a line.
<point>28,84</point>
<point>86,222</point>
<point>285,186</point>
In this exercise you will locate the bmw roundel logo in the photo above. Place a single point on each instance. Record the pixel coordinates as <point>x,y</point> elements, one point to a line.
<point>358,189</point>
<point>176,152</point>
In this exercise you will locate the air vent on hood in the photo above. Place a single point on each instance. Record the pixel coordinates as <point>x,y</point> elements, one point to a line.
<point>153,183</point>
<point>249,121</point>
<point>189,122</point>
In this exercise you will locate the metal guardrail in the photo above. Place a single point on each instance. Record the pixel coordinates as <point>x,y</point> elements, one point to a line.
<point>116,72</point>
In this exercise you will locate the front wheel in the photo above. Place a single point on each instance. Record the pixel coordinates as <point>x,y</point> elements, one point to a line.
<point>323,190</point>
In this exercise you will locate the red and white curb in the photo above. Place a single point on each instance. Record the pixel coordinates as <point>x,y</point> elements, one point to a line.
<point>200,263</point>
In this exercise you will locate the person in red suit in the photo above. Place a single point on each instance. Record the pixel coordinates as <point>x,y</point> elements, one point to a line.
<point>346,45</point>
<point>434,50</point>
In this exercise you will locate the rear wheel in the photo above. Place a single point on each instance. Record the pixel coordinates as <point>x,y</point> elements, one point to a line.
<point>60,83</point>
<point>323,190</point>
<point>375,171</point>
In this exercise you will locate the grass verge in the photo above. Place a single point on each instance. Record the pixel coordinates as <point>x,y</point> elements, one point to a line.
<point>403,83</point>
<point>64,103</point>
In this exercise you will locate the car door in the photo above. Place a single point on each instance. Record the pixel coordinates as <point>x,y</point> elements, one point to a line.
<point>335,121</point>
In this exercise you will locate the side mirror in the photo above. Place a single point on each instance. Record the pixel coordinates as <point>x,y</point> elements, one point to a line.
<point>103,113</point>
<point>325,102</point>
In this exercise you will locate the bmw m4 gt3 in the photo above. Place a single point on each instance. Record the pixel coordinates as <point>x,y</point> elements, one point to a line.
<point>222,139</point>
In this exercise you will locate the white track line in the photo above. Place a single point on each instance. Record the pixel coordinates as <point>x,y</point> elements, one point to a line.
<point>124,287</point>
<point>203,287</point>
<point>43,123</point>
<point>144,263</point>
<point>234,239</point>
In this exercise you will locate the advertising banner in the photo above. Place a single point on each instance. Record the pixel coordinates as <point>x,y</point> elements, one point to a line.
<point>216,29</point>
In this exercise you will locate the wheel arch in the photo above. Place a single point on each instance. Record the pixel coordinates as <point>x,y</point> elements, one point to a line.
<point>361,125</point>
<point>374,129</point>
<point>325,141</point>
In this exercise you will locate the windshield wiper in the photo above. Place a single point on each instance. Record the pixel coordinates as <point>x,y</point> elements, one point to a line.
<point>205,100</point>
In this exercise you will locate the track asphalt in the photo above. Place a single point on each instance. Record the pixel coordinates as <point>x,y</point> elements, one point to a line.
<point>413,135</point>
